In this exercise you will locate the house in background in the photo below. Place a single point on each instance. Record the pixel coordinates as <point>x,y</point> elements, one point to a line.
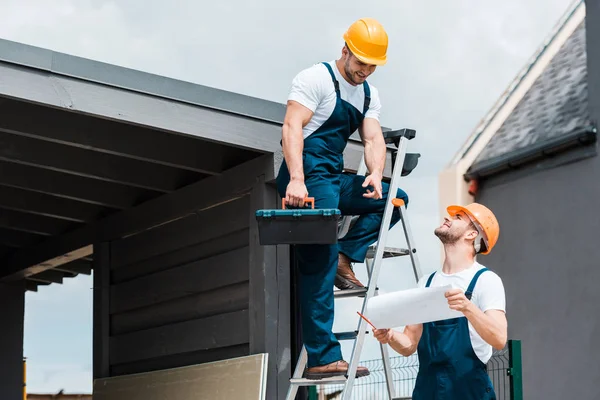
<point>533,160</point>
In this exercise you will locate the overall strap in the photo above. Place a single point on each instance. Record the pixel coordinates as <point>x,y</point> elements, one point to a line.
<point>367,97</point>
<point>429,280</point>
<point>469,291</point>
<point>335,82</point>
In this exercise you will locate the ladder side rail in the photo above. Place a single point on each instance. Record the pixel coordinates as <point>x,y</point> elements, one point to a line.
<point>387,369</point>
<point>382,239</point>
<point>412,250</point>
<point>298,372</point>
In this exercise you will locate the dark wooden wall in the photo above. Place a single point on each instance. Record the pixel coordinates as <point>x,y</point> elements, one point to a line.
<point>194,290</point>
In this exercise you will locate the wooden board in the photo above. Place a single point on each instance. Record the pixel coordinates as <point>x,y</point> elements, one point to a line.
<point>236,378</point>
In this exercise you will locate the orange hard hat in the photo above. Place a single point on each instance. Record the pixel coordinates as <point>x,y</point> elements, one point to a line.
<point>368,41</point>
<point>484,219</point>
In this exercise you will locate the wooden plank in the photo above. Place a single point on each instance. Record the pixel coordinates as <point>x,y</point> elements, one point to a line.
<point>49,206</point>
<point>121,139</point>
<point>195,277</point>
<point>73,187</point>
<point>269,297</point>
<point>201,334</point>
<point>201,305</point>
<point>5,251</point>
<point>91,164</point>
<point>35,224</point>
<point>15,238</point>
<point>239,378</point>
<point>192,229</point>
<point>208,193</point>
<point>208,248</point>
<point>80,266</point>
<point>48,276</point>
<point>180,360</point>
<point>101,334</point>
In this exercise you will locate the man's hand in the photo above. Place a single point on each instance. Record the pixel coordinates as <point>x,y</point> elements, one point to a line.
<point>373,180</point>
<point>383,335</point>
<point>296,193</point>
<point>457,300</point>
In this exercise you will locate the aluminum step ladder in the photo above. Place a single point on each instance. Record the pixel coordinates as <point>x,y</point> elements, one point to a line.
<point>375,255</point>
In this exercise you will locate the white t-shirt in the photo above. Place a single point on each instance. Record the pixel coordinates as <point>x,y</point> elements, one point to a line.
<point>488,294</point>
<point>314,89</point>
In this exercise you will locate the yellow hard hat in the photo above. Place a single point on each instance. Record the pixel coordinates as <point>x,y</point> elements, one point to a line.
<point>368,41</point>
<point>485,220</point>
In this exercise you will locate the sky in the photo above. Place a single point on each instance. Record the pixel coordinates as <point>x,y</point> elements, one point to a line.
<point>448,63</point>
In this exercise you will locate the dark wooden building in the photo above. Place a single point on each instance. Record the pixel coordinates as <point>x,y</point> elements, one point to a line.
<point>151,183</point>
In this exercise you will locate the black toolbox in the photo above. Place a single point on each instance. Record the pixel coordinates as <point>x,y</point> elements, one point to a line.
<point>298,225</point>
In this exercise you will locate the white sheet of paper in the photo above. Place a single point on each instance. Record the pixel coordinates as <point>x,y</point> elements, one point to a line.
<point>412,306</point>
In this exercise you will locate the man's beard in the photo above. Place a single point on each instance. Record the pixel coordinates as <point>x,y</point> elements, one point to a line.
<point>445,236</point>
<point>349,73</point>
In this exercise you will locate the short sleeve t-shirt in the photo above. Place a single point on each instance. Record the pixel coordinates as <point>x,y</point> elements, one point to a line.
<point>314,89</point>
<point>488,294</point>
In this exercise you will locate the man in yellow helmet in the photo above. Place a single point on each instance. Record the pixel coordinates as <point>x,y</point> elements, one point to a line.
<point>327,103</point>
<point>453,353</point>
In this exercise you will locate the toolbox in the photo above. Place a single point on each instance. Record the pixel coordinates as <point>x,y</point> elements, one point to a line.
<point>298,225</point>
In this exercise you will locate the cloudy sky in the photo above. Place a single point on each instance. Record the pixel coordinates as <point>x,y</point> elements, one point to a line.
<point>448,63</point>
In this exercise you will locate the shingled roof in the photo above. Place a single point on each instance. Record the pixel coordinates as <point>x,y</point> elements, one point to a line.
<point>554,111</point>
<point>556,104</point>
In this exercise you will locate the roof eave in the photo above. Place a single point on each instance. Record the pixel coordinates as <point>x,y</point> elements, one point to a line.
<point>583,136</point>
<point>138,81</point>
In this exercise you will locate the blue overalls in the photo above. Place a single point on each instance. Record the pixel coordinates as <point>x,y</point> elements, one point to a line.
<point>449,369</point>
<point>323,163</point>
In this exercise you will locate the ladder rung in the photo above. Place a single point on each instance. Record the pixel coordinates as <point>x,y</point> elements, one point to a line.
<point>347,335</point>
<point>325,381</point>
<point>388,252</point>
<point>350,293</point>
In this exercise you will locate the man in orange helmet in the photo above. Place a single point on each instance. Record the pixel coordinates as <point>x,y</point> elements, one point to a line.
<point>327,103</point>
<point>453,353</point>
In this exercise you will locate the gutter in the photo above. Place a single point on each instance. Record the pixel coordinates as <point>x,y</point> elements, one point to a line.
<point>542,150</point>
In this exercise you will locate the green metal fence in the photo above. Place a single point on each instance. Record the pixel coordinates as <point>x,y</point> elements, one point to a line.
<point>504,369</point>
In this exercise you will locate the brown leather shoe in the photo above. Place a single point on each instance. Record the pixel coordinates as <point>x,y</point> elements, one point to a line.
<point>345,278</point>
<point>336,368</point>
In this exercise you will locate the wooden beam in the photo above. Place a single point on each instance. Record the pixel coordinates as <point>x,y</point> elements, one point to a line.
<point>101,341</point>
<point>79,266</point>
<point>18,239</point>
<point>91,164</point>
<point>208,193</point>
<point>74,187</point>
<point>47,205</point>
<point>120,139</point>
<point>35,224</point>
<point>49,276</point>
